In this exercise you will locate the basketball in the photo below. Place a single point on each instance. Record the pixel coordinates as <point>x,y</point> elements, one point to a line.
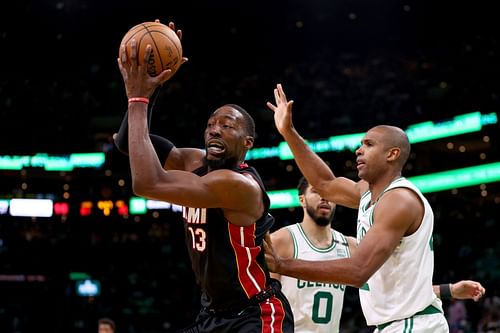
<point>166,46</point>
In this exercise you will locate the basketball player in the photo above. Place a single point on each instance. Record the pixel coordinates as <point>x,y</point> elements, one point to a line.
<point>225,207</point>
<point>394,261</point>
<point>316,306</point>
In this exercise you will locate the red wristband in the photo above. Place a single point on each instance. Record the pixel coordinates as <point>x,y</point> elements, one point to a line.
<point>139,99</point>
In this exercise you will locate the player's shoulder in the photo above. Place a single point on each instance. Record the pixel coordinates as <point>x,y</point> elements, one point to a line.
<point>351,242</point>
<point>282,241</point>
<point>232,176</point>
<point>405,196</point>
<point>282,234</point>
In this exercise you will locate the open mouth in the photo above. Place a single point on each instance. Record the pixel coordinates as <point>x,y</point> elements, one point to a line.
<point>215,148</point>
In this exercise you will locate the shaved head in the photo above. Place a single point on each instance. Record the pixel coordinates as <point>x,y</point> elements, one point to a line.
<point>395,137</point>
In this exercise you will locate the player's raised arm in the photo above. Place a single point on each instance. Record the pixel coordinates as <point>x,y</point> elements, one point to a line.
<point>340,190</point>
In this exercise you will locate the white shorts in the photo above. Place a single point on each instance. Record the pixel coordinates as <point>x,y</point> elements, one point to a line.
<point>427,323</point>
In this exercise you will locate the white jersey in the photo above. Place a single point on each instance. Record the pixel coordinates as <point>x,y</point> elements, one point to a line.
<point>402,287</point>
<point>316,306</point>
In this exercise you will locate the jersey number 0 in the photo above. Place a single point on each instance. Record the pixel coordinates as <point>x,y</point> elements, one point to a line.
<point>322,307</point>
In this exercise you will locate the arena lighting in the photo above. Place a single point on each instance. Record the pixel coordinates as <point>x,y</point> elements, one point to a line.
<point>140,205</point>
<point>137,206</point>
<point>53,162</point>
<point>440,181</point>
<point>105,206</point>
<point>122,207</point>
<point>61,208</point>
<point>4,206</point>
<point>86,208</point>
<point>447,180</point>
<point>433,182</point>
<point>79,276</point>
<point>22,278</point>
<point>421,132</point>
<point>31,207</point>
<point>88,288</point>
<point>286,198</point>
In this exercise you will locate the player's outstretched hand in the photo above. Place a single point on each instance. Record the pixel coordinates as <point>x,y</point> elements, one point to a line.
<point>467,289</point>
<point>282,110</point>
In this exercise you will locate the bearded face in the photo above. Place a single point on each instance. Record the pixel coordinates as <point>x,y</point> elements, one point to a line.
<point>319,210</point>
<point>320,216</point>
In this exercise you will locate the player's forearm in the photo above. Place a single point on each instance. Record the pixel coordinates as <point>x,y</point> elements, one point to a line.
<point>310,164</point>
<point>144,162</point>
<point>331,271</point>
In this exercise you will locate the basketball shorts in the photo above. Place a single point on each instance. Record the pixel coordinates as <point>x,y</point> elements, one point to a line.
<point>428,323</point>
<point>271,315</point>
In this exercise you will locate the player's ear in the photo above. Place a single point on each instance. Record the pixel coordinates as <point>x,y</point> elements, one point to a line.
<point>393,153</point>
<point>302,200</point>
<point>249,141</point>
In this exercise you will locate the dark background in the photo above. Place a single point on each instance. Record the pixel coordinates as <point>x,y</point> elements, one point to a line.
<point>348,65</point>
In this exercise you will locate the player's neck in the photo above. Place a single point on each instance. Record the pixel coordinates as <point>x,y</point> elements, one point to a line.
<point>319,236</point>
<point>377,188</point>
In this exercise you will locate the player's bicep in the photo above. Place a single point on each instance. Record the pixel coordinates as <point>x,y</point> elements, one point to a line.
<point>374,249</point>
<point>342,191</point>
<point>390,224</point>
<point>187,159</point>
<point>399,217</point>
<point>234,192</point>
<point>188,189</point>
